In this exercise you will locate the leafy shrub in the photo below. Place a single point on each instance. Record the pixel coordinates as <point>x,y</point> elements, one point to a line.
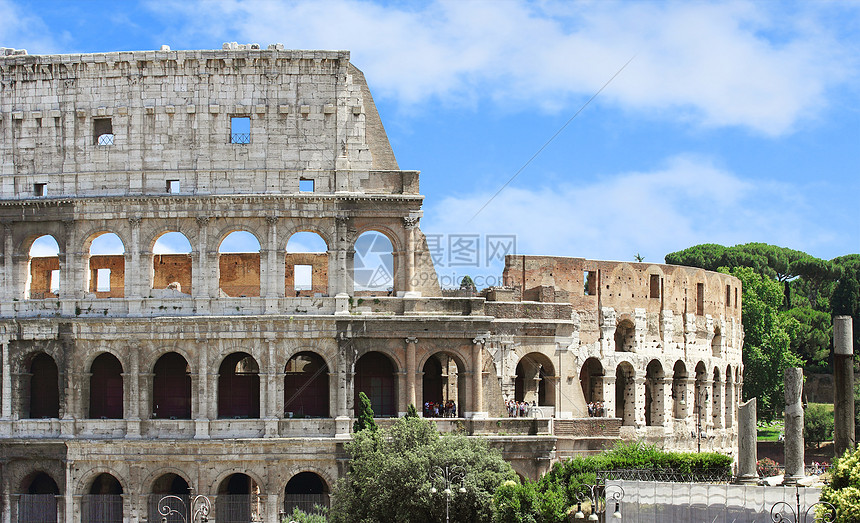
<point>817,423</point>
<point>766,467</point>
<point>299,516</point>
<point>844,488</point>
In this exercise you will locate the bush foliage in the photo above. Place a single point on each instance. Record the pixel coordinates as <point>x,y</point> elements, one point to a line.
<point>844,488</point>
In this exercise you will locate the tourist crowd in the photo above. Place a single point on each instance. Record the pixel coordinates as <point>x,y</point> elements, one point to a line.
<point>440,410</point>
<point>595,409</point>
<point>519,409</point>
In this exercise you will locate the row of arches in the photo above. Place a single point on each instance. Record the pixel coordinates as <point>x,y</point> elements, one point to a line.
<point>710,397</point>
<point>238,498</point>
<point>307,385</point>
<point>306,265</point>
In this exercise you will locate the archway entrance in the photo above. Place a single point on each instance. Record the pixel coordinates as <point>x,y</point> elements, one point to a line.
<point>103,503</point>
<point>306,386</point>
<point>106,387</point>
<point>239,387</point>
<point>625,394</point>
<point>39,503</point>
<point>44,387</point>
<point>591,380</point>
<point>441,386</point>
<point>534,383</point>
<point>171,387</point>
<point>305,491</point>
<point>169,485</point>
<point>374,375</point>
<point>238,500</point>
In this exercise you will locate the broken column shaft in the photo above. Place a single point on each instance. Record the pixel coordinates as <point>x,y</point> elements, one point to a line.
<point>843,376</point>
<point>793,426</point>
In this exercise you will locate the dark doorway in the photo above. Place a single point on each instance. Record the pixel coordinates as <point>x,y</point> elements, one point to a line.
<point>238,500</point>
<point>174,486</point>
<point>106,387</point>
<point>103,504</point>
<point>39,504</point>
<point>44,387</point>
<point>171,384</point>
<point>239,387</point>
<point>374,375</point>
<point>306,386</point>
<point>307,492</point>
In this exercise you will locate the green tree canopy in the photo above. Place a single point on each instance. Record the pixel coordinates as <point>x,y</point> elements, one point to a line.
<point>389,476</point>
<point>364,420</point>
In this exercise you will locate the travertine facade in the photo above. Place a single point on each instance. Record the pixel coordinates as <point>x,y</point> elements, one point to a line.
<point>132,375</point>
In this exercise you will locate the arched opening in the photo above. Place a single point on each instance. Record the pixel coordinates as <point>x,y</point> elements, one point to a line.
<point>106,387</point>
<point>169,485</point>
<point>374,376</point>
<point>535,381</point>
<point>43,275</point>
<point>591,380</point>
<point>624,336</point>
<point>39,503</point>
<point>305,491</point>
<point>717,343</point>
<point>679,390</point>
<point>239,387</point>
<point>373,265</point>
<point>239,265</point>
<point>306,390</point>
<point>239,500</point>
<point>171,263</point>
<point>171,387</point>
<point>730,407</point>
<point>625,394</point>
<point>654,394</point>
<point>107,266</point>
<point>306,270</point>
<point>44,387</point>
<point>717,394</point>
<point>103,502</point>
<point>441,386</point>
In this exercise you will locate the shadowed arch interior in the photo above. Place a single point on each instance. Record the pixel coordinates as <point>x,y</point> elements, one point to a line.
<point>374,375</point>
<point>44,387</point>
<point>106,387</point>
<point>171,387</point>
<point>306,391</point>
<point>239,387</point>
<point>103,503</point>
<point>305,491</point>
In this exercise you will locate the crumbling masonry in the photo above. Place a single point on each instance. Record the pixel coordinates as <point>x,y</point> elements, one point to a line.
<point>146,372</point>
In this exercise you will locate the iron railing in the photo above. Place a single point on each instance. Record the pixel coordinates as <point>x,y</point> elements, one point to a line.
<point>101,508</point>
<point>667,475</point>
<point>240,138</point>
<point>37,508</point>
<point>105,139</point>
<point>179,505</point>
<point>307,503</point>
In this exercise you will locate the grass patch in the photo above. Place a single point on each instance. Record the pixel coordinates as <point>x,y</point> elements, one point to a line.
<point>770,431</point>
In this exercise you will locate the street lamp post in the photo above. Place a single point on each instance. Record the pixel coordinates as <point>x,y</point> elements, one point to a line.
<point>701,397</point>
<point>449,476</point>
<point>200,508</point>
<point>781,510</point>
<point>594,493</point>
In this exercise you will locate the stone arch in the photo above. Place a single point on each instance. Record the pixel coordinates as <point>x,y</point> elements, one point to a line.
<point>239,499</point>
<point>535,379</point>
<point>105,257</point>
<point>170,482</point>
<point>679,390</point>
<point>304,491</point>
<point>239,267</point>
<point>171,387</point>
<point>106,387</point>
<point>87,479</point>
<point>306,385</point>
<point>443,380</point>
<point>103,501</point>
<point>306,264</point>
<point>375,375</point>
<point>375,267</point>
<point>591,377</point>
<point>43,386</point>
<point>239,386</point>
<point>38,498</point>
<point>325,233</point>
<point>44,268</point>
<point>171,263</point>
<point>625,334</point>
<point>654,399</point>
<point>625,394</point>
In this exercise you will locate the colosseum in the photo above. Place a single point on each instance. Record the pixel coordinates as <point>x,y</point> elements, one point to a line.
<point>164,332</point>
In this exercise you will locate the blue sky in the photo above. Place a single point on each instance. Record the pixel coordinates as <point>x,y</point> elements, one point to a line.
<point>734,122</point>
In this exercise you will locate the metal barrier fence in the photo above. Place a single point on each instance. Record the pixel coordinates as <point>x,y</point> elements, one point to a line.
<point>670,502</point>
<point>101,508</point>
<point>307,503</point>
<point>667,475</point>
<point>37,508</point>
<point>170,502</point>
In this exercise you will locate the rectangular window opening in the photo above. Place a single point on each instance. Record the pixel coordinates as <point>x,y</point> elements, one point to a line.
<point>240,129</point>
<point>103,280</point>
<point>55,281</point>
<point>655,285</point>
<point>736,297</point>
<point>728,295</point>
<point>589,283</point>
<point>173,186</point>
<point>700,299</point>
<point>302,277</point>
<point>306,185</point>
<point>40,189</point>
<point>102,131</point>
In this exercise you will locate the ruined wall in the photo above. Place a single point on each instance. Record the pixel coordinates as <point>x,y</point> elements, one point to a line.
<point>319,273</point>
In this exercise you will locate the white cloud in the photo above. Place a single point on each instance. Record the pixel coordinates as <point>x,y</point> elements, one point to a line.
<point>737,64</point>
<point>21,29</point>
<point>686,202</point>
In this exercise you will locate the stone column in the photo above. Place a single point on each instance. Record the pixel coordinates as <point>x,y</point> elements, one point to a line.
<point>478,378</point>
<point>135,275</point>
<point>410,372</point>
<point>201,420</point>
<point>717,410</point>
<point>134,394</point>
<point>747,443</point>
<point>342,385</point>
<point>202,274</point>
<point>272,412</point>
<point>668,411</point>
<point>639,401</point>
<point>269,286</point>
<point>609,396</point>
<point>9,289</point>
<point>843,374</point>
<point>793,426</point>
<point>410,222</point>
<point>6,410</point>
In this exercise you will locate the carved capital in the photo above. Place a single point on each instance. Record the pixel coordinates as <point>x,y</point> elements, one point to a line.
<point>411,339</point>
<point>480,340</point>
<point>134,221</point>
<point>202,221</point>
<point>271,220</point>
<point>410,222</point>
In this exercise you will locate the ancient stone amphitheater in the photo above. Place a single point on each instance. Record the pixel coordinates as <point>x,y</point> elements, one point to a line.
<point>161,333</point>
